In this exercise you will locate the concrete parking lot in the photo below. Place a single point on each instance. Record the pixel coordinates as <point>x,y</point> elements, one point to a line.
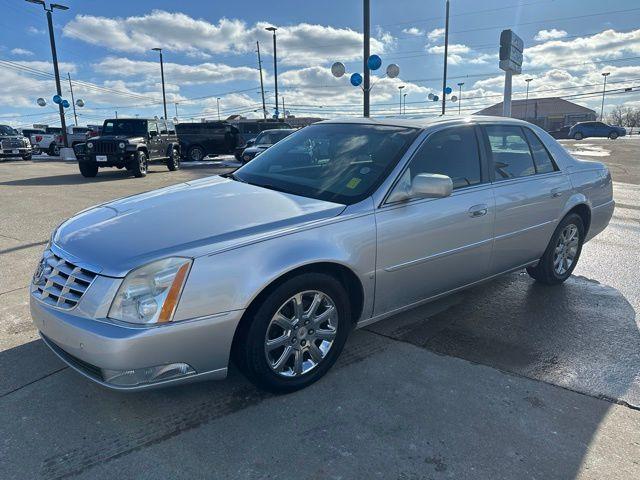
<point>507,380</point>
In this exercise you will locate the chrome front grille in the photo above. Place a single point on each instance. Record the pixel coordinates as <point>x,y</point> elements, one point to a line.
<point>104,148</point>
<point>11,143</point>
<point>60,283</point>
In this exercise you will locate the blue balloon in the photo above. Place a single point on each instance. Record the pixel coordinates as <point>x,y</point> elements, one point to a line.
<point>356,79</point>
<point>436,98</point>
<point>57,99</point>
<point>66,104</point>
<point>448,90</point>
<point>374,62</point>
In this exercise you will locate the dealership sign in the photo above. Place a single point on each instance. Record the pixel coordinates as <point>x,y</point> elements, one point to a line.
<point>511,48</point>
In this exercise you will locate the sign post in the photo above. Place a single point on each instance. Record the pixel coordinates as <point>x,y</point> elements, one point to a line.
<point>511,48</point>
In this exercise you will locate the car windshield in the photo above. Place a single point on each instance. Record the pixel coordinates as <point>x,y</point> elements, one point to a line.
<point>7,130</point>
<point>341,163</point>
<point>125,127</point>
<point>269,138</point>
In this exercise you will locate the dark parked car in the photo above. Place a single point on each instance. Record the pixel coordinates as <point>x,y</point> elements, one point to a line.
<point>595,129</point>
<point>263,141</point>
<point>249,129</point>
<point>130,143</point>
<point>561,133</point>
<point>197,140</point>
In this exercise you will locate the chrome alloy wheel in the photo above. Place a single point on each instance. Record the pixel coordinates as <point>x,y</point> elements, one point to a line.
<point>566,249</point>
<point>301,333</point>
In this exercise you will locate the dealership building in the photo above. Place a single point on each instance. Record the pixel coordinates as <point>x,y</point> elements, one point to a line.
<point>549,113</point>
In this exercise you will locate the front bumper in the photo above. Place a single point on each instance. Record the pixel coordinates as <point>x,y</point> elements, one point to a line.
<point>15,152</point>
<point>91,346</point>
<point>120,159</point>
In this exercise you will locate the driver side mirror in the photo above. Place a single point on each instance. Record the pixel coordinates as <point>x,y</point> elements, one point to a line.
<point>250,142</point>
<point>153,134</point>
<point>424,185</point>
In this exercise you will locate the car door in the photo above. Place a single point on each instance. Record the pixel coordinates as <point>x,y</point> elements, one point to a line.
<point>154,140</point>
<point>430,246</point>
<point>529,191</point>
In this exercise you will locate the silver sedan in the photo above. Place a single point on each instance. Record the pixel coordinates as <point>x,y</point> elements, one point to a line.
<point>342,224</point>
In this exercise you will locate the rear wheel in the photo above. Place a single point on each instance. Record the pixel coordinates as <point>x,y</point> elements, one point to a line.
<point>54,150</point>
<point>578,136</point>
<point>88,170</point>
<point>296,334</point>
<point>562,253</point>
<point>140,164</point>
<point>613,135</point>
<point>173,162</point>
<point>196,153</point>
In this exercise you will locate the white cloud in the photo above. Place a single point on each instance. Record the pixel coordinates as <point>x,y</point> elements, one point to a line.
<point>47,66</point>
<point>22,52</point>
<point>413,31</point>
<point>544,35</point>
<point>299,44</point>
<point>35,31</point>
<point>435,34</point>
<point>454,54</point>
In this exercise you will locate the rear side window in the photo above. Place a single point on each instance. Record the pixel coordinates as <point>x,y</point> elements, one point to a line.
<point>452,152</point>
<point>541,157</point>
<point>510,151</point>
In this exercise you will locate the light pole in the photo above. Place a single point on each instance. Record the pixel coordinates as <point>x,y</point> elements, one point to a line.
<point>73,101</point>
<point>275,66</point>
<point>459,95</point>
<point>176,105</point>
<point>164,98</point>
<point>446,51</point>
<point>400,93</point>
<point>218,102</point>
<point>404,107</point>
<point>54,54</point>
<point>526,101</point>
<point>604,91</point>
<point>366,17</point>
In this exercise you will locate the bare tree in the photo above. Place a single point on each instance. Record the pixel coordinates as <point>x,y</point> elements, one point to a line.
<point>625,116</point>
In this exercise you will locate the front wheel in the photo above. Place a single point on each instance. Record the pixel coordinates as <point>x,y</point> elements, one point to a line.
<point>578,136</point>
<point>54,150</point>
<point>296,334</point>
<point>173,162</point>
<point>88,170</point>
<point>613,135</point>
<point>140,164</point>
<point>26,156</point>
<point>562,253</point>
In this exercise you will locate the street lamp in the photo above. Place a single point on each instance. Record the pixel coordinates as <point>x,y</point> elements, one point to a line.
<point>275,65</point>
<point>218,102</point>
<point>54,54</point>
<point>459,95</point>
<point>526,101</point>
<point>400,93</point>
<point>604,90</point>
<point>164,98</point>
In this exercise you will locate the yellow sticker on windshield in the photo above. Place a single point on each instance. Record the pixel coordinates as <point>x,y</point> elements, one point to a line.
<point>353,183</point>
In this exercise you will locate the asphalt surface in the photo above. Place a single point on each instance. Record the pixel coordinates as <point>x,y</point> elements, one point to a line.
<point>507,380</point>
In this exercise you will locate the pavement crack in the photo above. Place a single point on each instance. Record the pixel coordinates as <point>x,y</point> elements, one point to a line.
<point>13,290</point>
<point>6,394</point>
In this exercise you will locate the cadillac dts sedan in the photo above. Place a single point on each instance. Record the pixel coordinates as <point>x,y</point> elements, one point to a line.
<point>339,225</point>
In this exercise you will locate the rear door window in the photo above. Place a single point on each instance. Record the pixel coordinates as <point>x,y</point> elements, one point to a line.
<point>510,152</point>
<point>541,157</point>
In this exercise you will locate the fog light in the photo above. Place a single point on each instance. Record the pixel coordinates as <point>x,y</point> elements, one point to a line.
<point>141,376</point>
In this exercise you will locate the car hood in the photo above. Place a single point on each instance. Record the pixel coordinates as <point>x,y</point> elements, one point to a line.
<point>123,138</point>
<point>256,149</point>
<point>190,219</point>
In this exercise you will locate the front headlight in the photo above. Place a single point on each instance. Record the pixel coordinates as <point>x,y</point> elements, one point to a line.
<point>121,145</point>
<point>90,145</point>
<point>150,294</point>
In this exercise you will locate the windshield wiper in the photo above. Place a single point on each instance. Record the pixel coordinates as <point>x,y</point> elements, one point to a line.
<point>233,176</point>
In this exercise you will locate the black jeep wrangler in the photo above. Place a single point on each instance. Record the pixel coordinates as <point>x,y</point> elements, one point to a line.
<point>131,143</point>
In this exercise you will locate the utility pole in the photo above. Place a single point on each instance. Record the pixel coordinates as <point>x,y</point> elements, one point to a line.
<point>275,66</point>
<point>604,91</point>
<point>284,112</point>
<point>164,98</point>
<point>54,54</point>
<point>460,96</point>
<point>264,106</point>
<point>446,51</point>
<point>400,93</point>
<point>176,105</point>
<point>116,114</point>
<point>404,108</point>
<point>73,100</point>
<point>366,51</point>
<point>526,101</point>
<point>218,102</point>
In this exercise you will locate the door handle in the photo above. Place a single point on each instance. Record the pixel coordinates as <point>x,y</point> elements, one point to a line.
<point>556,192</point>
<point>478,210</point>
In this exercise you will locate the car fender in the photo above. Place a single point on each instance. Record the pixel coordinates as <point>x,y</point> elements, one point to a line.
<point>231,280</point>
<point>171,146</point>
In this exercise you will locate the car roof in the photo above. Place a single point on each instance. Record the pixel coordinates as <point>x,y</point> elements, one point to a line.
<point>278,130</point>
<point>424,123</point>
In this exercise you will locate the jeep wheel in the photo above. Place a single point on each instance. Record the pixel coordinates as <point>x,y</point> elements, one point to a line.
<point>88,170</point>
<point>173,162</point>
<point>196,154</point>
<point>54,150</point>
<point>140,165</point>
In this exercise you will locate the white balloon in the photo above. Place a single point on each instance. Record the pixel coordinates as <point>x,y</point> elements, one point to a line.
<point>41,101</point>
<point>393,70</point>
<point>454,98</point>
<point>430,96</point>
<point>337,69</point>
<point>80,102</point>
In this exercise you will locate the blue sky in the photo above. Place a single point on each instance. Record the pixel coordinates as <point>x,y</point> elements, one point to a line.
<point>209,53</point>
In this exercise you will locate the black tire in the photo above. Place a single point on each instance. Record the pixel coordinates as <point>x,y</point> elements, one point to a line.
<point>545,272</point>
<point>53,150</point>
<point>249,347</point>
<point>196,153</point>
<point>88,170</point>
<point>140,164</point>
<point>578,136</point>
<point>173,162</point>
<point>613,135</point>
<point>26,157</point>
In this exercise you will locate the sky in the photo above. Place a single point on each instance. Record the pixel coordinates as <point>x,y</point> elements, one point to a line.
<point>209,53</point>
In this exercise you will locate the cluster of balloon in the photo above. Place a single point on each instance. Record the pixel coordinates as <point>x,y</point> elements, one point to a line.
<point>447,91</point>
<point>433,98</point>
<point>374,62</point>
<point>58,100</point>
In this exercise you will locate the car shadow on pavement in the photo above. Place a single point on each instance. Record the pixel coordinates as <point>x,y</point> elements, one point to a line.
<point>387,408</point>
